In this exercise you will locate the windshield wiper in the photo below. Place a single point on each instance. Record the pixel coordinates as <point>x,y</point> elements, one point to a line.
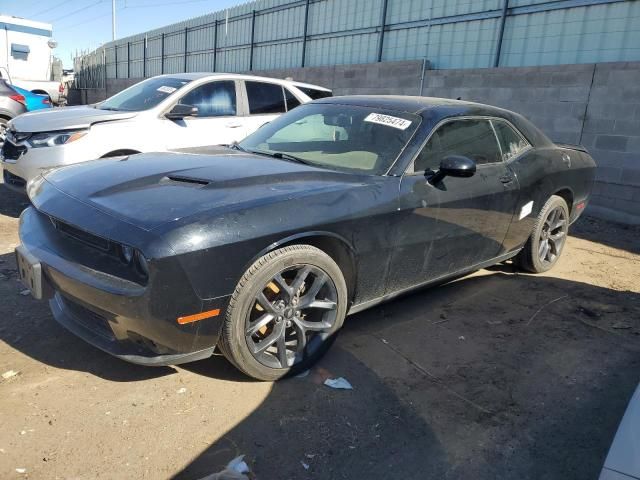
<point>281,156</point>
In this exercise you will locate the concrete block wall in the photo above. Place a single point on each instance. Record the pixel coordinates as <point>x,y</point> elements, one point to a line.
<point>597,105</point>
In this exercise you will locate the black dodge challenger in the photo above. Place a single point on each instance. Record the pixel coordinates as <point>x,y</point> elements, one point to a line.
<point>261,249</point>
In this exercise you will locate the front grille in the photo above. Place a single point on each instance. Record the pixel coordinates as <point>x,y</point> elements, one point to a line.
<point>11,151</point>
<point>82,236</point>
<point>87,318</point>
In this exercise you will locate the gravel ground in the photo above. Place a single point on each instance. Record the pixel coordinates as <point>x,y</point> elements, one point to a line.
<point>497,375</point>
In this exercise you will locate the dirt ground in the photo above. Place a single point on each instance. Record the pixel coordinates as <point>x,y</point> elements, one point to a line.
<point>497,375</point>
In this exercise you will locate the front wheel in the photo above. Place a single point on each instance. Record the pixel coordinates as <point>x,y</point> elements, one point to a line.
<point>545,245</point>
<point>285,312</point>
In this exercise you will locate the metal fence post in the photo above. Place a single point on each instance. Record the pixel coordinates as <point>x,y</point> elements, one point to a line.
<point>128,59</point>
<point>115,52</point>
<point>215,43</point>
<point>304,34</point>
<point>144,58</point>
<point>503,20</point>
<point>162,55</point>
<point>186,35</point>
<point>383,24</point>
<point>253,32</point>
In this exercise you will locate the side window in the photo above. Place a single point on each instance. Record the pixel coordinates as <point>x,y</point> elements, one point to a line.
<point>213,99</point>
<point>265,98</point>
<point>471,138</point>
<point>511,143</point>
<point>315,94</point>
<point>292,101</point>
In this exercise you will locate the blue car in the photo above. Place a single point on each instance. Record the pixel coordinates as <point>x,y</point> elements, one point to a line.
<point>33,101</point>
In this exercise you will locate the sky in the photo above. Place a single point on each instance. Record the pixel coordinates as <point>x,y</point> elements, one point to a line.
<point>81,25</point>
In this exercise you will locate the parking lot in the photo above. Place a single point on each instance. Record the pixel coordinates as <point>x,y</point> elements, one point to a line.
<point>497,375</point>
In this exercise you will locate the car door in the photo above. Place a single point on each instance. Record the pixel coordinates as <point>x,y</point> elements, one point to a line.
<point>455,223</point>
<point>217,121</point>
<point>265,102</point>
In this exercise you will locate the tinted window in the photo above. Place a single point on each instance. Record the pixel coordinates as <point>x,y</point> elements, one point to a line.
<point>313,93</point>
<point>144,95</point>
<point>292,101</point>
<point>213,99</point>
<point>338,137</point>
<point>265,98</point>
<point>471,138</point>
<point>510,142</point>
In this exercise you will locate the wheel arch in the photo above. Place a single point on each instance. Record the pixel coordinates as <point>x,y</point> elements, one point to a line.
<point>567,195</point>
<point>334,245</point>
<point>39,91</point>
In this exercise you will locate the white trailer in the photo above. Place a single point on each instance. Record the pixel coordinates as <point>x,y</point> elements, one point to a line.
<point>26,56</point>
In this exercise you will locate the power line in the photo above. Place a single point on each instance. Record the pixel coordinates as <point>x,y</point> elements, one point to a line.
<point>66,15</point>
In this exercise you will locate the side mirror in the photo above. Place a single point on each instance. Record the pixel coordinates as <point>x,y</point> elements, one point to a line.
<point>454,166</point>
<point>180,111</point>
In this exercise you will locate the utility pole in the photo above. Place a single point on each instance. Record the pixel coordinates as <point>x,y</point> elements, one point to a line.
<point>113,19</point>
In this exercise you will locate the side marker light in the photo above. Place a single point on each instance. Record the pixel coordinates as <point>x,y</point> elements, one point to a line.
<point>198,316</point>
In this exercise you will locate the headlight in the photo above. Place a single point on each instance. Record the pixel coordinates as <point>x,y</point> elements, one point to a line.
<point>33,185</point>
<point>51,139</point>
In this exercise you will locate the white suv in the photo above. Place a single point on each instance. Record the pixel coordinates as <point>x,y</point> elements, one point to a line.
<point>162,113</point>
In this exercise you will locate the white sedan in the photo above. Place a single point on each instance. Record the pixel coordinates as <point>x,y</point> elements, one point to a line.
<point>162,113</point>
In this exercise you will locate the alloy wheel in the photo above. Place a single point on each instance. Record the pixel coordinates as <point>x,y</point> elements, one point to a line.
<point>553,236</point>
<point>291,316</point>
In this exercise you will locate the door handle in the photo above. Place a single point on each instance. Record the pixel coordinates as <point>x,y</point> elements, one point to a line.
<point>233,125</point>
<point>506,179</point>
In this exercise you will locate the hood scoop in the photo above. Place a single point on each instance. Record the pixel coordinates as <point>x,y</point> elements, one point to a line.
<point>179,179</point>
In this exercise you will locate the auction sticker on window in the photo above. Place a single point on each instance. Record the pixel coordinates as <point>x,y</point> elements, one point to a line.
<point>165,89</point>
<point>388,120</point>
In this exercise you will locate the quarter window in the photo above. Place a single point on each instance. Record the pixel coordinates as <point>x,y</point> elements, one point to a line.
<point>292,101</point>
<point>265,98</point>
<point>215,99</point>
<point>473,138</point>
<point>315,94</point>
<point>511,143</point>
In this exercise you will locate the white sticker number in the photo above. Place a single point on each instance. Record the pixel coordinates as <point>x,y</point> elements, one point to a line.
<point>165,89</point>
<point>388,120</point>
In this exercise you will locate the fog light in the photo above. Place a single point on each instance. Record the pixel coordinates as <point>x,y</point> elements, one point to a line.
<point>142,264</point>
<point>127,253</point>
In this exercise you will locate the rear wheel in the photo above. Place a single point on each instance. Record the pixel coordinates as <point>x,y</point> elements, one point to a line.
<point>545,245</point>
<point>284,313</point>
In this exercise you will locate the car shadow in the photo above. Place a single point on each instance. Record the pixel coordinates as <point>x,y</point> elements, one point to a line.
<point>490,376</point>
<point>11,203</point>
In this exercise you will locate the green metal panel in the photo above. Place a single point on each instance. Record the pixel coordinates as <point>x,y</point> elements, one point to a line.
<point>448,33</point>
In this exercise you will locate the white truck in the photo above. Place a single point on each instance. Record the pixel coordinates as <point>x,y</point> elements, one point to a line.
<point>26,56</point>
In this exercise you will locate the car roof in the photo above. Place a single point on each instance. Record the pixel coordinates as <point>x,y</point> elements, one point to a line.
<point>240,76</point>
<point>404,103</point>
<point>438,109</point>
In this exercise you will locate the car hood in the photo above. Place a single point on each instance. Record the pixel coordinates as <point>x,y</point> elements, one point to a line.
<point>152,189</point>
<point>68,118</point>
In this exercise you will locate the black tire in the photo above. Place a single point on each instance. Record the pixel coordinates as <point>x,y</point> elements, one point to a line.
<point>3,128</point>
<point>547,240</point>
<point>293,294</point>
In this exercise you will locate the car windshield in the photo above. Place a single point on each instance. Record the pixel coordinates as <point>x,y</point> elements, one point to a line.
<point>340,137</point>
<point>144,95</point>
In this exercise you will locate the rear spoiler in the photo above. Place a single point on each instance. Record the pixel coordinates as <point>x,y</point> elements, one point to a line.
<point>568,146</point>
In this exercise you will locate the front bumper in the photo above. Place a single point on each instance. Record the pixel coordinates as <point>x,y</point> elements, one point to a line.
<point>134,322</point>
